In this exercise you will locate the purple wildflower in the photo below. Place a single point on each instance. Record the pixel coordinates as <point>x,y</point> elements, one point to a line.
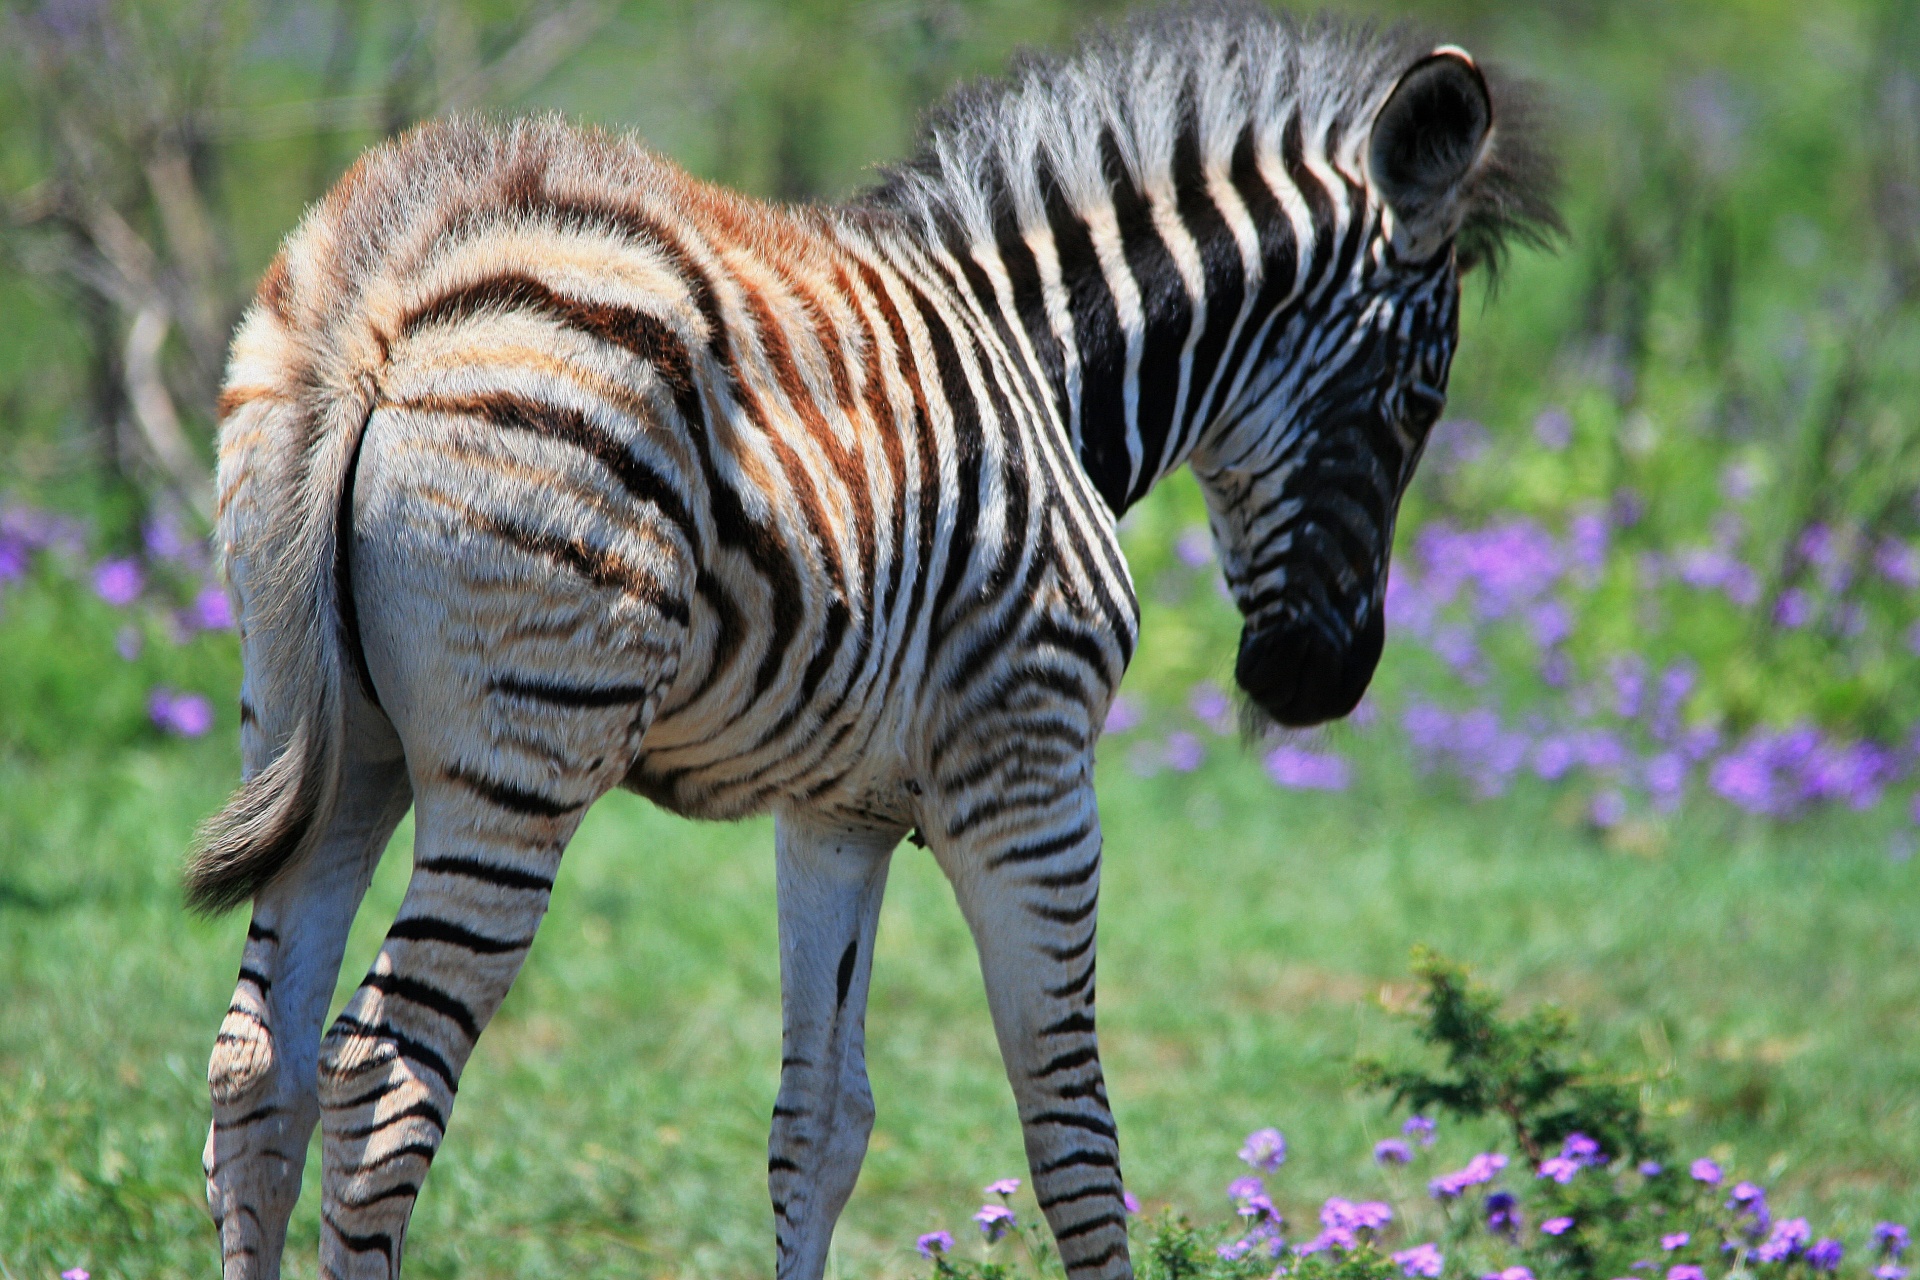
<point>1891,1238</point>
<point>1686,1271</point>
<point>1898,563</point>
<point>1608,810</point>
<point>1245,1188</point>
<point>1184,752</point>
<point>1002,1187</point>
<point>995,1221</point>
<point>1746,1195</point>
<point>1503,1214</point>
<point>1482,1168</point>
<point>1787,1238</point>
<point>1123,713</point>
<point>118,582</point>
<point>1392,1151</point>
<point>211,609</point>
<point>1889,1271</point>
<point>74,1273</point>
<point>1259,1207</point>
<point>1300,770</point>
<point>1556,1226</point>
<point>1131,1201</point>
<point>1341,1238</point>
<point>1651,1168</point>
<point>1194,547</point>
<point>934,1242</point>
<point>1234,1250</point>
<point>1420,1127</point>
<point>1793,610</point>
<point>1265,1149</point>
<point>1211,707</point>
<point>1825,1254</point>
<point>185,715</point>
<point>1511,1273</point>
<point>1678,1240</point>
<point>1560,1168</point>
<point>1553,428</point>
<point>1422,1262</point>
<point>14,555</point>
<point>1704,1170</point>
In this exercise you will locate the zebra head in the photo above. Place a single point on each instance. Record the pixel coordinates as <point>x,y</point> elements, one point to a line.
<point>1304,472</point>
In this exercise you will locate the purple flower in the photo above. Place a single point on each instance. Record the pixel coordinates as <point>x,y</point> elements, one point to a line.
<point>1184,752</point>
<point>1123,713</point>
<point>1704,1170</point>
<point>1608,810</point>
<point>1003,1187</point>
<point>1392,1151</point>
<point>1556,1226</point>
<point>74,1273</point>
<point>1678,1240</point>
<point>1889,1271</point>
<point>1422,1262</point>
<point>1211,707</point>
<point>1420,1127</point>
<point>1793,610</point>
<point>1259,1207</point>
<point>1344,1215</point>
<point>1787,1238</point>
<point>1503,1214</point>
<point>1301,770</point>
<point>1194,547</point>
<point>1560,1168</point>
<point>1332,1238</point>
<point>1898,563</point>
<point>1131,1201</point>
<point>118,582</point>
<point>1511,1273</point>
<point>211,609</point>
<point>1234,1250</point>
<point>995,1221</point>
<point>933,1242</point>
<point>1553,428</point>
<point>1245,1188</point>
<point>1891,1237</point>
<point>1825,1255</point>
<point>1686,1271</point>
<point>1746,1195</point>
<point>1265,1150</point>
<point>13,558</point>
<point>1651,1168</point>
<point>185,715</point>
<point>1482,1168</point>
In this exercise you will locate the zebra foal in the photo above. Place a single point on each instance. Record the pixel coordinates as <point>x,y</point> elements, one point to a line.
<point>546,469</point>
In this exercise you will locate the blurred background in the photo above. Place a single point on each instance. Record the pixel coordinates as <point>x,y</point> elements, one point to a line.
<point>1644,742</point>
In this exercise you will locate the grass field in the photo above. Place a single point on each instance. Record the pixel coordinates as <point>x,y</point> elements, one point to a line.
<point>613,1121</point>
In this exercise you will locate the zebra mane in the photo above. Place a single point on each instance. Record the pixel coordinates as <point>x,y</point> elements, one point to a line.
<point>1212,67</point>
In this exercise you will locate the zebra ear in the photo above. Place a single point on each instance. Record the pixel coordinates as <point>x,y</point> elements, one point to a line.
<point>1428,137</point>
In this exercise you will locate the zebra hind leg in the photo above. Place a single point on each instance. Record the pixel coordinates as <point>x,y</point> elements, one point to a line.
<point>262,1070</point>
<point>830,886</point>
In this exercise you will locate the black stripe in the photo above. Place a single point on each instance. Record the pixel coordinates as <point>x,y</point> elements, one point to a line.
<point>1221,268</point>
<point>489,872</point>
<point>1091,1225</point>
<point>1073,985</point>
<point>1072,1024</point>
<point>507,796</point>
<point>1063,915</point>
<point>377,1242</point>
<point>427,996</point>
<point>1085,1193</point>
<point>845,978</point>
<point>1042,849</point>
<point>1068,1061</point>
<point>258,932</point>
<point>408,1047</point>
<point>1165,308</point>
<point>1076,1159</point>
<point>422,1110</point>
<point>569,695</point>
<point>346,611</point>
<point>433,929</point>
<point>595,564</point>
<point>1102,348</point>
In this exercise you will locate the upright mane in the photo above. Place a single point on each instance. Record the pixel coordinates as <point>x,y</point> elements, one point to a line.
<point>1202,75</point>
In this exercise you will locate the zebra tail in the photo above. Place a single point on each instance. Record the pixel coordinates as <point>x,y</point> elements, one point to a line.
<point>299,393</point>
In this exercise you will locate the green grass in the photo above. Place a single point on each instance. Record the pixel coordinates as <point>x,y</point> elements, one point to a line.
<point>613,1120</point>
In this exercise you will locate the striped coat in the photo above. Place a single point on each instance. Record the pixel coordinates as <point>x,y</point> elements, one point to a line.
<point>547,469</point>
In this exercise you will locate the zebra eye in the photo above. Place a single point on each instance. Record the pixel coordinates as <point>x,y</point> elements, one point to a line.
<point>1422,405</point>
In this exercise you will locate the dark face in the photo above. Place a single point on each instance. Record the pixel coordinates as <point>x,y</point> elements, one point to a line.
<point>1303,493</point>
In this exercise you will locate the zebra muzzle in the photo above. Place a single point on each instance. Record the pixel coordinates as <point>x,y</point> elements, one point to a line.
<point>1303,672</point>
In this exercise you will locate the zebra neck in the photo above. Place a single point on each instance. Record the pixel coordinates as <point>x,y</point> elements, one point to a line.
<point>1150,313</point>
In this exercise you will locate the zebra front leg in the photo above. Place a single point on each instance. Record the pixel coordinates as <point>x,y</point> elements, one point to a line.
<point>1028,882</point>
<point>261,1073</point>
<point>830,884</point>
